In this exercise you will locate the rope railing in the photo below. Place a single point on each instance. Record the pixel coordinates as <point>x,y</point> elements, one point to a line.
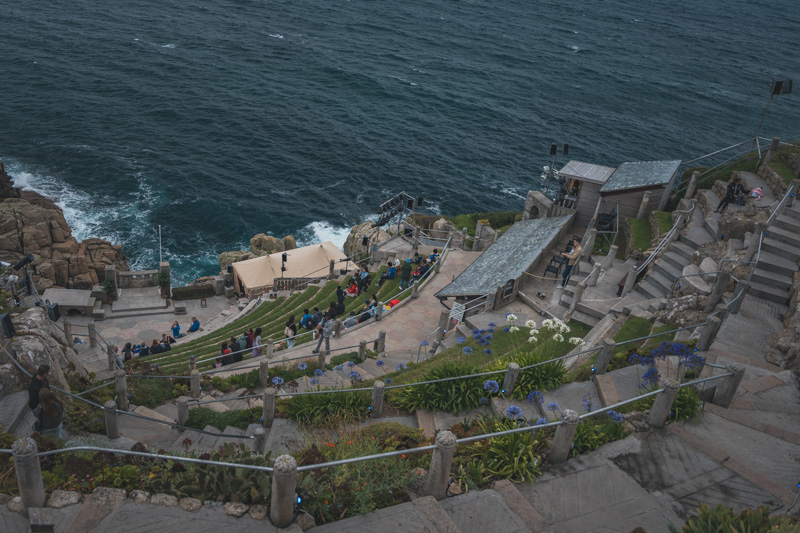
<point>218,400</point>
<point>106,384</point>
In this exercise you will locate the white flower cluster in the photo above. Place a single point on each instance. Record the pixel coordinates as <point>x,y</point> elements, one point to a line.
<point>511,317</point>
<point>558,337</point>
<point>556,325</point>
<point>576,341</point>
<point>530,324</point>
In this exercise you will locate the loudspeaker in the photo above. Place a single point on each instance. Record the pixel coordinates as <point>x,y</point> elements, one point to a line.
<point>8,326</point>
<point>53,312</point>
<point>408,232</point>
<point>419,201</point>
<point>553,149</point>
<point>566,149</point>
<point>284,257</point>
<point>777,86</point>
<point>410,204</point>
<point>230,269</point>
<point>364,240</point>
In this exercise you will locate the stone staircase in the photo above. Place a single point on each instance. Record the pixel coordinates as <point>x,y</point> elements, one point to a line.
<point>780,252</point>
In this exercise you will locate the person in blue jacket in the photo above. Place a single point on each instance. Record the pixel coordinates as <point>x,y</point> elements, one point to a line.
<point>389,274</point>
<point>195,325</point>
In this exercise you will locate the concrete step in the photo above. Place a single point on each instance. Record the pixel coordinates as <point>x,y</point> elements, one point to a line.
<point>650,290</point>
<point>773,262</point>
<point>682,249</point>
<point>166,441</point>
<point>696,236</point>
<point>791,212</point>
<point>13,408</point>
<point>711,225</point>
<point>667,269</point>
<point>177,444</point>
<point>660,281</point>
<point>772,279</point>
<point>768,292</point>
<point>790,237</point>
<point>786,222</point>
<point>675,259</point>
<point>770,244</point>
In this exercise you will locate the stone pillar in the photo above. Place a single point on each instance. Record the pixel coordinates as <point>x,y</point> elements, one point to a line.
<point>330,269</point>
<point>463,238</point>
<point>437,264</point>
<point>321,359</point>
<point>268,408</point>
<point>663,403</point>
<point>381,343</point>
<point>183,410</point>
<point>163,268</point>
<point>110,356</point>
<point>284,486</point>
<point>594,277</point>
<point>720,284</point>
<point>727,388</point>
<point>263,373</point>
<point>376,408</point>
<point>562,440</point>
<point>576,298</point>
<point>754,242</point>
<point>644,206</point>
<point>379,312</point>
<point>442,460</point>
<point>362,350</point>
<point>122,390</point>
<point>192,362</point>
<point>68,332</point>
<point>110,273</point>
<point>608,262</point>
<point>692,185</point>
<point>194,383</point>
<point>415,290</point>
<point>738,296</point>
<point>260,437</point>
<point>631,279</point>
<point>92,335</point>
<point>708,333</point>
<point>604,355</point>
<point>29,473</point>
<point>510,379</point>
<point>112,422</point>
<point>588,242</point>
<point>337,329</point>
<point>270,348</point>
<point>794,186</point>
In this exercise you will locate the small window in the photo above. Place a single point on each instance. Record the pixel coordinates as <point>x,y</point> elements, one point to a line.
<point>509,288</point>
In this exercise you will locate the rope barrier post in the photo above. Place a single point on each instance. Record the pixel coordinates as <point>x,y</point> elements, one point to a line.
<point>194,383</point>
<point>362,350</point>
<point>321,360</point>
<point>192,362</point>
<point>708,333</point>
<point>663,403</point>
<point>416,239</point>
<point>122,390</point>
<point>337,329</point>
<point>608,262</point>
<point>463,238</point>
<point>379,312</point>
<point>376,407</point>
<point>444,321</point>
<point>263,372</point>
<point>270,347</point>
<point>576,298</point>
<point>441,462</point>
<point>726,390</point>
<point>511,379</point>
<point>284,486</point>
<point>112,419</point>
<point>268,408</point>
<point>644,205</point>
<point>720,284</point>
<point>630,280</point>
<point>381,343</point>
<point>594,277</point>
<point>183,410</point>
<point>562,440</point>
<point>110,356</point>
<point>604,355</point>
<point>738,296</point>
<point>415,290</point>
<point>754,242</point>
<point>92,335</point>
<point>330,269</point>
<point>29,473</point>
<point>437,265</point>
<point>692,185</point>
<point>68,333</point>
<point>260,437</point>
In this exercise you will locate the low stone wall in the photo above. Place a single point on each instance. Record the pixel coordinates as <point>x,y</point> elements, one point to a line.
<point>774,180</point>
<point>138,279</point>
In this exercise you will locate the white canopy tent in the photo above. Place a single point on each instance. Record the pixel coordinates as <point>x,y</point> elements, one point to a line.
<point>306,262</point>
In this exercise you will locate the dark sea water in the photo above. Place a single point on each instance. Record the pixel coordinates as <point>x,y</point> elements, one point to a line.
<point>221,119</point>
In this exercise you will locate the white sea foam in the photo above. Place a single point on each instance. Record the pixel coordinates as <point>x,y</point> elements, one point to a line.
<point>317,232</point>
<point>275,35</point>
<point>511,192</point>
<point>170,45</point>
<point>574,48</point>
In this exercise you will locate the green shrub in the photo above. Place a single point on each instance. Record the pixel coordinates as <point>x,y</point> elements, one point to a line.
<point>516,456</point>
<point>595,431</point>
<point>200,417</point>
<point>542,378</point>
<point>687,405</point>
<point>454,396</point>
<point>327,410</point>
<point>722,519</point>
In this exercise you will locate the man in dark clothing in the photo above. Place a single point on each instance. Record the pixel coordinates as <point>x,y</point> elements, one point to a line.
<point>317,317</point>
<point>405,274</point>
<point>339,295</point>
<point>38,382</point>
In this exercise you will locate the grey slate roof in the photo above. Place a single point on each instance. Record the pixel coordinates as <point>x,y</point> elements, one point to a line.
<point>641,174</point>
<point>586,171</point>
<point>507,258</point>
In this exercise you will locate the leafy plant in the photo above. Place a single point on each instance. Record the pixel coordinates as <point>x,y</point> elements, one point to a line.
<point>593,432</point>
<point>200,417</point>
<point>327,410</point>
<point>722,519</point>
<point>687,405</point>
<point>544,377</point>
<point>453,396</point>
<point>516,456</point>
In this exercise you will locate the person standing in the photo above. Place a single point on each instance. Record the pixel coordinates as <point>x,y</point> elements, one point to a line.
<point>290,331</point>
<point>405,274</point>
<point>572,257</point>
<point>257,343</point>
<point>38,382</point>
<point>118,362</point>
<point>327,330</point>
<point>51,415</point>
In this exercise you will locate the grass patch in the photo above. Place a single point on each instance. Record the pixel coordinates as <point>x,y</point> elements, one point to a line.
<point>200,417</point>
<point>642,235</point>
<point>633,328</point>
<point>664,220</point>
<point>784,170</point>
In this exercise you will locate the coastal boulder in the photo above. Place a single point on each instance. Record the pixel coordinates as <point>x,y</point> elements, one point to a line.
<point>289,243</point>
<point>261,243</point>
<point>228,258</point>
<point>353,245</point>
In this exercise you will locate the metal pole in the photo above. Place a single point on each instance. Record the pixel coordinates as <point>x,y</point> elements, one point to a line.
<point>160,256</point>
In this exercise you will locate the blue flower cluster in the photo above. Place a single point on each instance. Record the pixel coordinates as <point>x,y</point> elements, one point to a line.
<point>488,351</point>
<point>389,381</point>
<point>615,417</point>
<point>379,363</point>
<point>536,397</point>
<point>514,412</point>
<point>540,421</point>
<point>650,378</point>
<point>302,366</point>
<point>553,406</point>
<point>314,381</point>
<point>277,381</point>
<point>350,364</point>
<point>587,402</point>
<point>491,386</point>
<point>686,359</point>
<point>401,367</point>
<point>318,372</point>
<point>338,368</point>
<point>355,376</point>
<point>467,350</point>
<point>425,343</point>
<point>461,340</point>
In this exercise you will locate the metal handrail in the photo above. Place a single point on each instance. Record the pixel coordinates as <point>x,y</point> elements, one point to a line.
<point>667,238</point>
<point>419,350</point>
<point>676,284</point>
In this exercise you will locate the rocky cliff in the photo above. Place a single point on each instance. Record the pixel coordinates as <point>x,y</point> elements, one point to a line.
<point>31,224</point>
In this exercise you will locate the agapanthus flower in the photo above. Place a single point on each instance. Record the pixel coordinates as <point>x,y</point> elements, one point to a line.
<point>425,343</point>
<point>511,317</point>
<point>587,402</point>
<point>379,363</point>
<point>513,329</point>
<point>318,372</point>
<point>350,364</point>
<point>401,367</point>
<point>488,351</point>
<point>277,381</point>
<point>491,386</point>
<point>314,381</point>
<point>650,378</point>
<point>467,350</point>
<point>389,381</point>
<point>355,376</point>
<point>536,397</point>
<point>460,339</point>
<point>492,325</point>
<point>506,329</point>
<point>338,368</point>
<point>540,421</point>
<point>615,416</point>
<point>514,412</point>
<point>553,406</point>
<point>302,366</point>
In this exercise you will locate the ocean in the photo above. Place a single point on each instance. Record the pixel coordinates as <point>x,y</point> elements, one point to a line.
<point>218,120</point>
